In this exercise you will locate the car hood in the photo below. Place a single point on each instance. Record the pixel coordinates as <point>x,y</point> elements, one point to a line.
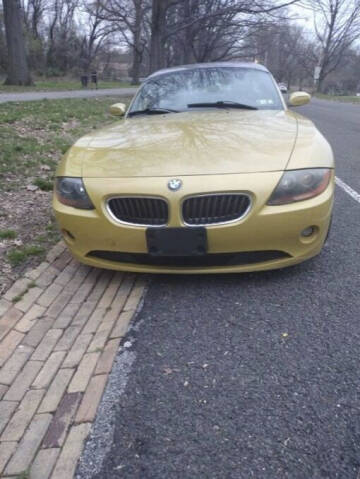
<point>189,143</point>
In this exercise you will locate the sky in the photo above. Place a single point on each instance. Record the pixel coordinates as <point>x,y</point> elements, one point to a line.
<point>304,17</point>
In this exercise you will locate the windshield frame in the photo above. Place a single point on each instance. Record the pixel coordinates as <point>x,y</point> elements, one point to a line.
<point>197,67</point>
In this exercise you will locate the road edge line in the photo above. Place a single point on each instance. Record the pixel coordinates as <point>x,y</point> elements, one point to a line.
<point>354,194</point>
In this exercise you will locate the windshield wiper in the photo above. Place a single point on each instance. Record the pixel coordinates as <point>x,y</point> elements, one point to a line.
<point>222,104</point>
<point>152,111</point>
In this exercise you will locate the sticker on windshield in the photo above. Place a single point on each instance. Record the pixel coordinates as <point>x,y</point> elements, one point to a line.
<point>264,101</point>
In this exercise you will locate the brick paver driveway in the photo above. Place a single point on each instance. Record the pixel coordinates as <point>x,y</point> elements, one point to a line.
<point>60,329</point>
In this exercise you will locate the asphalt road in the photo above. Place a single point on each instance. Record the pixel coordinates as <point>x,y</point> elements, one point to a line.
<point>245,376</point>
<point>56,95</point>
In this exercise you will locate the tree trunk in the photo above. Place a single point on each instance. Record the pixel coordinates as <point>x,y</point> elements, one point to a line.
<point>137,48</point>
<point>135,70</point>
<point>320,81</point>
<point>18,70</point>
<point>157,47</point>
<point>320,85</point>
<point>188,55</point>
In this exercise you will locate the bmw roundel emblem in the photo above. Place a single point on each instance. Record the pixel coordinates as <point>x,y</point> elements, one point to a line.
<point>174,184</point>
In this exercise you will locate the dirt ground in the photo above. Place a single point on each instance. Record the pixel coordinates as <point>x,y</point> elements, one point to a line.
<point>29,214</point>
<point>33,138</point>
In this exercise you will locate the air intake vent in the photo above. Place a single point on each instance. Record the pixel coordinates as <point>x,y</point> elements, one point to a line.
<point>216,208</point>
<point>139,210</point>
<point>208,260</point>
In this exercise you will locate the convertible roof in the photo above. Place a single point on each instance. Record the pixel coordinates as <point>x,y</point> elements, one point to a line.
<point>193,66</point>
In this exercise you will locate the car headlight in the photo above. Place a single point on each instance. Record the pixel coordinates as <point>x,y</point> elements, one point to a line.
<point>298,185</point>
<point>71,192</point>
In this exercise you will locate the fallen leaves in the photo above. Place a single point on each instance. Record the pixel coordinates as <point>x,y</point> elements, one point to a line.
<point>32,187</point>
<point>167,371</point>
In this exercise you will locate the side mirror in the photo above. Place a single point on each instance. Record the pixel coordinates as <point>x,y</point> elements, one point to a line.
<point>118,109</point>
<point>299,98</point>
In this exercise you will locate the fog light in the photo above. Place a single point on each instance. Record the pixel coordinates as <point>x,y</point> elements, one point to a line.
<point>308,231</point>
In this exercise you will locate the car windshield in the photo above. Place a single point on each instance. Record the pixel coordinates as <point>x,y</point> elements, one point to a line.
<point>213,87</point>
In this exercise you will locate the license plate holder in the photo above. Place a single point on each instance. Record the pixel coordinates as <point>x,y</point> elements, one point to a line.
<point>177,241</point>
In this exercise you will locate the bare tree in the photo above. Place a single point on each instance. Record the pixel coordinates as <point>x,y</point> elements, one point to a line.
<point>221,35</point>
<point>158,33</point>
<point>18,70</point>
<point>211,38</point>
<point>165,32</point>
<point>3,49</point>
<point>282,46</point>
<point>129,19</point>
<point>96,32</point>
<point>337,26</point>
<point>33,14</point>
<point>62,37</point>
<point>193,15</point>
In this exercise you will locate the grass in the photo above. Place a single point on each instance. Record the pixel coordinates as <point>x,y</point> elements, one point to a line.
<point>7,234</point>
<point>60,84</point>
<point>341,98</point>
<point>34,135</point>
<point>19,297</point>
<point>50,234</point>
<point>23,475</point>
<point>17,256</point>
<point>44,184</point>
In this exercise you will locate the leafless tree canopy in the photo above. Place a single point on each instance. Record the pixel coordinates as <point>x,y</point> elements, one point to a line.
<point>63,37</point>
<point>337,26</point>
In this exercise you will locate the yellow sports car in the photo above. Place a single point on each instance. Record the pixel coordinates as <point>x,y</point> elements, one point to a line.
<point>209,172</point>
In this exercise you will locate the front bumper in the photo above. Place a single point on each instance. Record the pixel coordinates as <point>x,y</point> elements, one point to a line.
<point>263,229</point>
